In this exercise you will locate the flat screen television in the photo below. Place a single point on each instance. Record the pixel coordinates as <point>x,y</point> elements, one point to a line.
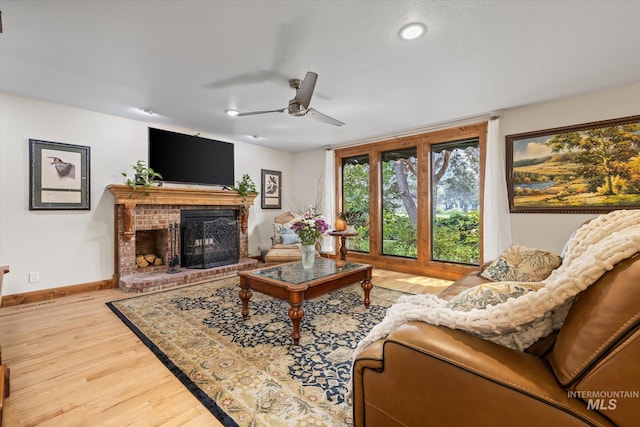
<point>191,159</point>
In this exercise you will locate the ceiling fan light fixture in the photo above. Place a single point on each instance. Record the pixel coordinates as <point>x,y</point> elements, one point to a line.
<point>412,31</point>
<point>232,113</point>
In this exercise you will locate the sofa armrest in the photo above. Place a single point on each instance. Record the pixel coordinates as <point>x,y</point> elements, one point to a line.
<point>457,379</point>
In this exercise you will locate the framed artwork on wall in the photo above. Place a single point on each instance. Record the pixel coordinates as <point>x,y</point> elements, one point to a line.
<point>271,189</point>
<point>587,168</point>
<point>59,176</point>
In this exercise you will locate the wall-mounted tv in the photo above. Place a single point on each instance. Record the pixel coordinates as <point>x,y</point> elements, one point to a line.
<point>191,159</point>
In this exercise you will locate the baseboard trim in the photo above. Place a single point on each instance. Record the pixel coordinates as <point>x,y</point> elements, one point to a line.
<point>48,294</point>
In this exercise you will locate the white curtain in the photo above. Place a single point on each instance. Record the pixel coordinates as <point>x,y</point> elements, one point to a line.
<point>497,222</point>
<point>329,199</point>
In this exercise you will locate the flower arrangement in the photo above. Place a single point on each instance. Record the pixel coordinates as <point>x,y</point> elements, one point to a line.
<point>310,226</point>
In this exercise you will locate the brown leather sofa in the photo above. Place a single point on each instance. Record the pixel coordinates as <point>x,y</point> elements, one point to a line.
<point>588,374</point>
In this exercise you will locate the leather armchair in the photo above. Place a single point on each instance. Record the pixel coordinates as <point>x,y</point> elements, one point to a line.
<point>588,374</point>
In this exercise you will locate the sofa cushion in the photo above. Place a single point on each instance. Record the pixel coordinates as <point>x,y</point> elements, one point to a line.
<point>522,264</point>
<point>462,284</point>
<point>295,246</point>
<point>283,254</point>
<point>290,238</point>
<point>484,295</point>
<point>279,230</point>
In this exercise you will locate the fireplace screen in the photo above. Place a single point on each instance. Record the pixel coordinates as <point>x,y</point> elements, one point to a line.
<point>209,238</point>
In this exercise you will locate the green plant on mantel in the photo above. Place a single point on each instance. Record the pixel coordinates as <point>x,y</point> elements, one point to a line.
<point>143,175</point>
<point>244,187</point>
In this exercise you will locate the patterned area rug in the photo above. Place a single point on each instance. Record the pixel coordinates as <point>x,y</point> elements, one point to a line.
<point>250,373</point>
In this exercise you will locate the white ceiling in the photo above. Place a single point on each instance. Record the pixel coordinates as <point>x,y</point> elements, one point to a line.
<point>191,60</point>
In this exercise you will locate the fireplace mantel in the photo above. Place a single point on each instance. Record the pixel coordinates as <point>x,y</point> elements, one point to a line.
<point>127,196</point>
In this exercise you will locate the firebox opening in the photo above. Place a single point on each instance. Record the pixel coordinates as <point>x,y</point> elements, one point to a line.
<point>151,248</point>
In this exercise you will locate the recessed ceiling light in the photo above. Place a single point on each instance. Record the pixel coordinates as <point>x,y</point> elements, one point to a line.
<point>412,31</point>
<point>231,112</point>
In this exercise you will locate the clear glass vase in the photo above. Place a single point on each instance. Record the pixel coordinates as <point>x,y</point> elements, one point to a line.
<point>308,256</point>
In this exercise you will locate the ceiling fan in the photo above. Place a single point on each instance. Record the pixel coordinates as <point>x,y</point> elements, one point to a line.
<point>299,105</point>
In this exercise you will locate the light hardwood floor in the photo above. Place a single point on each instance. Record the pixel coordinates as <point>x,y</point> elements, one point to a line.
<point>74,363</point>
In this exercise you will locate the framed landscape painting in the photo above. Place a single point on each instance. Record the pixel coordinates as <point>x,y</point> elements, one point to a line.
<point>59,176</point>
<point>271,189</point>
<point>587,168</point>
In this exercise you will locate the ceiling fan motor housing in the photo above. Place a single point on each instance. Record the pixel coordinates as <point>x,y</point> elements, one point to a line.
<point>295,109</point>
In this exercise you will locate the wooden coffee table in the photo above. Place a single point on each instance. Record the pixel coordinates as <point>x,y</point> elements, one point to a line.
<point>290,282</point>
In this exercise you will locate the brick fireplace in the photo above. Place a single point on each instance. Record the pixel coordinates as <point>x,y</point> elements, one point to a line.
<point>143,219</point>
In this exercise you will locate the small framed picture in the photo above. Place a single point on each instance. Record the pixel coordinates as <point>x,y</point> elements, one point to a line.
<point>271,189</point>
<point>59,176</point>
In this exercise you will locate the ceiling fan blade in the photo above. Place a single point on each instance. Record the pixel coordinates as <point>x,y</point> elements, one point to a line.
<point>252,113</point>
<point>303,95</point>
<point>317,115</point>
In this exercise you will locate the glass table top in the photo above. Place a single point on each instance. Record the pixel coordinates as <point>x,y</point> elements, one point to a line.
<point>294,274</point>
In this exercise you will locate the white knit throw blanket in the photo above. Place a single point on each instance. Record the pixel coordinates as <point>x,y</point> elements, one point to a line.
<point>519,322</point>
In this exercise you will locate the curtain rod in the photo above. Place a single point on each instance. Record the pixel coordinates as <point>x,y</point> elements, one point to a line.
<point>415,131</point>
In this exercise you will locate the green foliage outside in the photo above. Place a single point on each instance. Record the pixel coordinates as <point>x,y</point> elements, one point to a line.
<point>456,238</point>
<point>355,178</point>
<point>399,235</point>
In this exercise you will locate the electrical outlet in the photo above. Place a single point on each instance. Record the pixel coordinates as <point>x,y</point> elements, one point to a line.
<point>34,277</point>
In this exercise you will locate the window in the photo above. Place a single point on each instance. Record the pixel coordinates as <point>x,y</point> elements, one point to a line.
<point>455,191</point>
<point>421,199</point>
<point>355,197</point>
<point>400,203</point>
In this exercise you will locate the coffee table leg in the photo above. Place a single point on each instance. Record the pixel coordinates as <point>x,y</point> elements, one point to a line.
<point>295,314</point>
<point>245,295</point>
<point>366,287</point>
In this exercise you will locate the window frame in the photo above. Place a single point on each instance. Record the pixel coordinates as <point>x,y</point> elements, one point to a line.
<point>423,264</point>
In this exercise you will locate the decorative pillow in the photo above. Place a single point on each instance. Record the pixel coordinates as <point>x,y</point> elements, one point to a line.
<point>522,264</point>
<point>482,296</point>
<point>279,230</point>
<point>290,239</point>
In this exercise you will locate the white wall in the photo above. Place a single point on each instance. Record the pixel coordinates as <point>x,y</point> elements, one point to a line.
<point>551,231</point>
<point>74,247</point>
<point>308,173</point>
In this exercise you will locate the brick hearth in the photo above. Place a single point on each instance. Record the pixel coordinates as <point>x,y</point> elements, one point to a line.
<point>154,209</point>
<point>152,281</point>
